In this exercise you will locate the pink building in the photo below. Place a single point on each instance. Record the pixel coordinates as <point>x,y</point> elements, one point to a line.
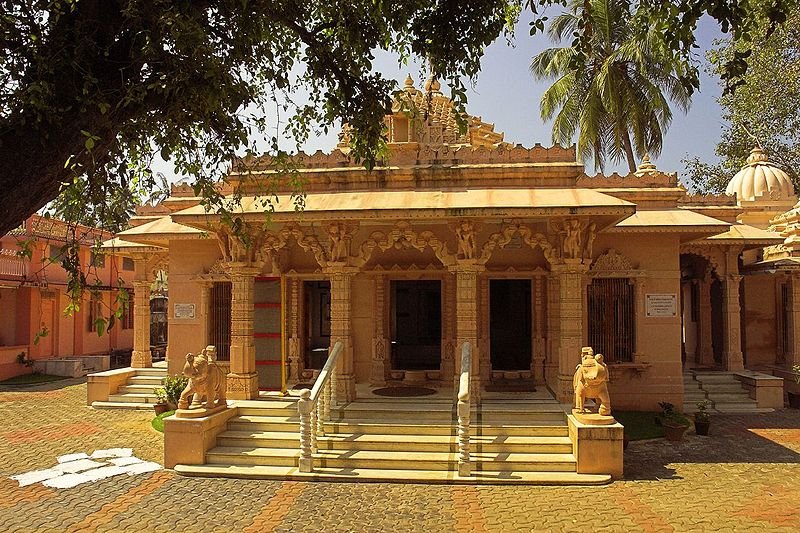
<point>33,299</point>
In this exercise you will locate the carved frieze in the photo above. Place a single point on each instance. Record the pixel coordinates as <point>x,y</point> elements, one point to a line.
<point>506,235</point>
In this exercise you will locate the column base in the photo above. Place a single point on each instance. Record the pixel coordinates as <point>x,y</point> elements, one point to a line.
<point>565,392</point>
<point>141,359</point>
<point>242,386</point>
<point>346,385</point>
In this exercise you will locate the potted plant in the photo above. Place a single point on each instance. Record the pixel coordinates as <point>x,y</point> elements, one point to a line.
<point>673,422</point>
<point>173,387</point>
<point>794,397</point>
<point>160,406</point>
<point>702,420</point>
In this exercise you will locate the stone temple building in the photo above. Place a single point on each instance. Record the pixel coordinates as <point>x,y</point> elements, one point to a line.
<point>460,238</point>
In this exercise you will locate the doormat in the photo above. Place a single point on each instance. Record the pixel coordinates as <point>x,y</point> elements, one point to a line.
<point>404,392</point>
<point>511,385</point>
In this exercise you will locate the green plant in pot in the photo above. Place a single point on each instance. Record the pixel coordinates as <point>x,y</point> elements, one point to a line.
<point>673,422</point>
<point>794,397</point>
<point>161,405</point>
<point>173,387</point>
<point>702,420</point>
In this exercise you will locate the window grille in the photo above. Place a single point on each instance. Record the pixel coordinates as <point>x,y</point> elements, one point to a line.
<point>221,319</point>
<point>127,313</point>
<point>95,312</point>
<point>127,264</point>
<point>611,318</point>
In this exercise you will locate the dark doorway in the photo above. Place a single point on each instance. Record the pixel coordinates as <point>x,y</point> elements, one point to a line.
<point>318,323</point>
<point>416,325</point>
<point>717,323</point>
<point>510,323</point>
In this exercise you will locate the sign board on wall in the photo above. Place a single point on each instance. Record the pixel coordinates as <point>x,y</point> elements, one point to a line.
<point>662,305</point>
<point>184,311</point>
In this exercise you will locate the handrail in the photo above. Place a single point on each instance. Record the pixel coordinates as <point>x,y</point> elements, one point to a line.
<point>463,410</point>
<point>314,407</point>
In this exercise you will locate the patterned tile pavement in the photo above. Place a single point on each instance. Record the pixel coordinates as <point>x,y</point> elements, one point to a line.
<point>746,476</point>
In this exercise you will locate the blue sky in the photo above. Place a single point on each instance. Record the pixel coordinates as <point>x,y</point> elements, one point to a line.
<point>507,95</point>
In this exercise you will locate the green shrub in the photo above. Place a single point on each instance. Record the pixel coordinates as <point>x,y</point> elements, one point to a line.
<point>172,388</point>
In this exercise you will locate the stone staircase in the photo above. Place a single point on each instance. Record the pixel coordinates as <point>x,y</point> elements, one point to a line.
<point>723,391</point>
<point>139,392</point>
<point>513,441</point>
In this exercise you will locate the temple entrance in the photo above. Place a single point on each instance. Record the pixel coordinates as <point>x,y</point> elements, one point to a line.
<point>318,321</point>
<point>510,323</point>
<point>416,324</point>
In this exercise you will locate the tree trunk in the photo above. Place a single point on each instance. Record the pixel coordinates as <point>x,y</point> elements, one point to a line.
<point>626,141</point>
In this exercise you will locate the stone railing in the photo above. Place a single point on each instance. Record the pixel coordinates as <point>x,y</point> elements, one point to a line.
<point>463,411</point>
<point>314,408</point>
<point>12,265</point>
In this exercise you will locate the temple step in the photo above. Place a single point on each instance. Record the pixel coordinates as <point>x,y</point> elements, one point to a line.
<point>361,475</point>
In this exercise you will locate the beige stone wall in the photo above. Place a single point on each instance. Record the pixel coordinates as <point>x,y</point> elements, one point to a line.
<point>759,322</point>
<point>658,344</point>
<point>188,259</point>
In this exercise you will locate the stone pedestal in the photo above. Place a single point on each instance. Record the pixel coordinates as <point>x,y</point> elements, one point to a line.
<point>597,448</point>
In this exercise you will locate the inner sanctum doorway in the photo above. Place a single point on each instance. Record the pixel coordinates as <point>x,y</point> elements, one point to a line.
<point>510,324</point>
<point>416,324</point>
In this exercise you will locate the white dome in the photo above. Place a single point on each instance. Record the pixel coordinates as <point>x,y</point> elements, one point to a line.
<point>761,180</point>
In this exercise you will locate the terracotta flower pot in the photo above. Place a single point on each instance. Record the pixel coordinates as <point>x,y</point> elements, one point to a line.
<point>701,427</point>
<point>160,408</point>
<point>673,432</point>
<point>794,400</point>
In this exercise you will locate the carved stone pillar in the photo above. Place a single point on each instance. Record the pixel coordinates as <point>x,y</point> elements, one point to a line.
<point>295,343</point>
<point>466,271</point>
<point>551,358</point>
<point>243,379</point>
<point>733,338</point>
<point>570,325</point>
<point>341,327</point>
<point>380,344</point>
<point>538,358</point>
<point>448,333</point>
<point>793,350</point>
<point>141,357</point>
<point>705,348</point>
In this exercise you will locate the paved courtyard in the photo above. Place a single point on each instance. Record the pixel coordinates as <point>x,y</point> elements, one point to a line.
<point>746,476</point>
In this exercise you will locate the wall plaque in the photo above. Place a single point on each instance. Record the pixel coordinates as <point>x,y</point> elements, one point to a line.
<point>662,305</point>
<point>184,311</point>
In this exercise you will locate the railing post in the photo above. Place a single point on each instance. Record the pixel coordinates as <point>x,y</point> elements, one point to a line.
<point>305,407</point>
<point>463,438</point>
<point>326,394</point>
<point>334,385</point>
<point>314,426</point>
<point>463,411</point>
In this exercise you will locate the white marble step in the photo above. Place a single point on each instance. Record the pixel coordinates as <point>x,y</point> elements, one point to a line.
<point>411,442</point>
<point>399,460</point>
<point>133,398</point>
<point>361,475</point>
<point>123,405</point>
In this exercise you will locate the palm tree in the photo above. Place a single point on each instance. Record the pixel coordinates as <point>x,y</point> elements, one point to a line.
<point>614,93</point>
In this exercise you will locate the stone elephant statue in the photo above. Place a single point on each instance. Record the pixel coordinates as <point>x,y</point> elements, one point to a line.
<point>206,380</point>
